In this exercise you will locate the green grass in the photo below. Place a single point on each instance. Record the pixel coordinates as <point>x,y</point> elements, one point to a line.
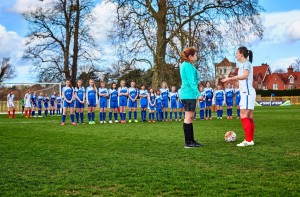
<point>38,157</point>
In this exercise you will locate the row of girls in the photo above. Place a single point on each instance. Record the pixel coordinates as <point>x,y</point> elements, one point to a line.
<point>218,98</point>
<point>119,98</point>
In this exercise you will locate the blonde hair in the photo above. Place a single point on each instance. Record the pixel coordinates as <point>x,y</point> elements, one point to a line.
<point>94,86</point>
<point>164,83</point>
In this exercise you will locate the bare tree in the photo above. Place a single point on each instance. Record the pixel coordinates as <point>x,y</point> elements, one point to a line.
<point>296,65</point>
<point>279,70</point>
<point>59,41</point>
<point>7,71</point>
<point>155,32</point>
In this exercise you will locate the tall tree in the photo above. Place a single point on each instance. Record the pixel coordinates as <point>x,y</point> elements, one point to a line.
<point>296,65</point>
<point>155,32</point>
<point>59,41</point>
<point>7,71</point>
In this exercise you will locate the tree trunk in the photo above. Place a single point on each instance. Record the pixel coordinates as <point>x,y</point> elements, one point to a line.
<point>161,44</point>
<point>68,40</point>
<point>75,47</point>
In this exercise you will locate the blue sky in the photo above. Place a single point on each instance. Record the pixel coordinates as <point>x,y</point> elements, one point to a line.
<point>279,47</point>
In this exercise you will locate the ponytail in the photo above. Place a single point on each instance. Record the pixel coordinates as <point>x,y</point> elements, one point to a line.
<point>185,54</point>
<point>246,53</point>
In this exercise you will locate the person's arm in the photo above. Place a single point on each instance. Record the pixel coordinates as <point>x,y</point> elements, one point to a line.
<point>96,97</point>
<point>136,96</point>
<point>87,97</point>
<point>242,77</point>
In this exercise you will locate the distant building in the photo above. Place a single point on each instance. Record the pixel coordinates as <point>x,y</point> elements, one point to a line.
<point>222,70</point>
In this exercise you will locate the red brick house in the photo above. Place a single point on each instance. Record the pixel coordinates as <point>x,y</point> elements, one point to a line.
<point>263,78</point>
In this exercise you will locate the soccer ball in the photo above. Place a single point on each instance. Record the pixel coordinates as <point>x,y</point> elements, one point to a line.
<point>230,136</point>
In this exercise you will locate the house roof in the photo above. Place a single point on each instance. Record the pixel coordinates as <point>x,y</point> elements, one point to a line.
<point>226,62</point>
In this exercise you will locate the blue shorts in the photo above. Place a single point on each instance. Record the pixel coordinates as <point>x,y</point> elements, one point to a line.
<point>58,106</point>
<point>173,104</point>
<point>219,102</point>
<point>45,105</point>
<point>113,104</point>
<point>159,110</point>
<point>122,101</point>
<point>34,104</point>
<point>208,103</point>
<point>202,105</point>
<point>132,104</point>
<point>40,105</point>
<point>103,102</point>
<point>66,104</point>
<point>180,105</point>
<point>229,103</point>
<point>78,104</point>
<point>92,103</point>
<point>52,103</point>
<point>165,103</point>
<point>151,107</point>
<point>237,102</point>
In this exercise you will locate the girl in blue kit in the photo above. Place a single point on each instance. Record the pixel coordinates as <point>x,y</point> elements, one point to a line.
<point>58,104</point>
<point>237,100</point>
<point>91,100</point>
<point>46,104</point>
<point>34,104</point>
<point>79,101</point>
<point>113,102</point>
<point>202,102</point>
<point>68,96</point>
<point>219,100</point>
<point>173,95</point>
<point>151,104</point>
<point>122,93</point>
<point>103,95</point>
<point>158,106</point>
<point>208,101</point>
<point>180,106</point>
<point>52,103</point>
<point>143,93</point>
<point>132,101</point>
<point>229,92</point>
<point>164,91</point>
<point>40,106</point>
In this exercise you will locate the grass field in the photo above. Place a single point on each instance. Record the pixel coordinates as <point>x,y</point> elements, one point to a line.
<point>41,158</point>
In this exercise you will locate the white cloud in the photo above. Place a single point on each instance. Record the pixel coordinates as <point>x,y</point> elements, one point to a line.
<point>22,6</point>
<point>282,63</point>
<point>282,26</point>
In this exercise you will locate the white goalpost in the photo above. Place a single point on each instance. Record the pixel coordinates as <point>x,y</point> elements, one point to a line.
<point>20,90</point>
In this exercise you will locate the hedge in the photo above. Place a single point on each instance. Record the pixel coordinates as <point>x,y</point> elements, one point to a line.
<point>295,92</point>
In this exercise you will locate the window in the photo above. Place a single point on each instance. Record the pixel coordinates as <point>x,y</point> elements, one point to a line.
<point>224,70</point>
<point>265,87</point>
<point>220,70</point>
<point>275,86</point>
<point>292,80</point>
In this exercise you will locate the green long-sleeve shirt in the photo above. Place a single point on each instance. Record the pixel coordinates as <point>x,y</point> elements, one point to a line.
<point>190,78</point>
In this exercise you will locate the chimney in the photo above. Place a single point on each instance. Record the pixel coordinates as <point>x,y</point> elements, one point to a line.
<point>290,70</point>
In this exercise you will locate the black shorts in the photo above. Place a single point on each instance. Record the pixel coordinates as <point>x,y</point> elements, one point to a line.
<point>189,104</point>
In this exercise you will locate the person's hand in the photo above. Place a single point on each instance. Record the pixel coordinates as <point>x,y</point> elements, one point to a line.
<point>209,100</point>
<point>200,98</point>
<point>226,79</point>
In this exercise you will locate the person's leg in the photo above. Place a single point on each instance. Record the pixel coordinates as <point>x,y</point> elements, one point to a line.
<point>82,115</point>
<point>250,116</point>
<point>64,115</point>
<point>187,126</point>
<point>77,114</point>
<point>134,113</point>
<point>246,124</point>
<point>72,115</point>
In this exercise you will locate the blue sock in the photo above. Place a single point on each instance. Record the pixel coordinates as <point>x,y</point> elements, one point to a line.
<point>227,112</point>
<point>135,115</point>
<point>171,115</point>
<point>89,116</point>
<point>77,117</point>
<point>124,116</point>
<point>104,116</point>
<point>161,115</point>
<point>110,115</point>
<point>238,111</point>
<point>121,116</point>
<point>180,115</point>
<point>231,112</point>
<point>209,112</point>
<point>39,112</point>
<point>116,116</point>
<point>202,113</point>
<point>175,115</point>
<point>149,116</point>
<point>129,115</point>
<point>166,115</point>
<point>152,115</point>
<point>93,116</point>
<point>63,118</point>
<point>72,117</point>
<point>101,116</point>
<point>33,113</point>
<point>157,116</point>
<point>46,113</point>
<point>206,113</point>
<point>81,116</point>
